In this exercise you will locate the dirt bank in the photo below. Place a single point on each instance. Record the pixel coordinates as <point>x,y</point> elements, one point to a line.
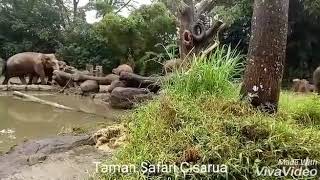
<point>61,157</point>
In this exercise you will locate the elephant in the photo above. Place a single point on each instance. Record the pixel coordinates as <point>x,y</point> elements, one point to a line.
<point>29,63</point>
<point>33,78</point>
<point>302,85</point>
<point>121,68</point>
<point>316,80</point>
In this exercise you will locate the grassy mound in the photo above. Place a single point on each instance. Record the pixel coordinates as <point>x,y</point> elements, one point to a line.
<point>199,120</point>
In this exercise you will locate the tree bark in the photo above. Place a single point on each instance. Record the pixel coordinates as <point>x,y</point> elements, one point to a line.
<point>195,37</point>
<point>267,50</point>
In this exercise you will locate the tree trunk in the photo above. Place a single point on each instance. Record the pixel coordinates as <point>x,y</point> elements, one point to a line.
<point>267,49</point>
<point>194,35</point>
<point>75,9</point>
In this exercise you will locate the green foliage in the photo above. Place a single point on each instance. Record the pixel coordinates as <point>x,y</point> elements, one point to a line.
<point>29,26</point>
<point>105,7</point>
<point>216,128</point>
<point>43,26</point>
<point>83,45</point>
<point>312,7</point>
<point>137,34</point>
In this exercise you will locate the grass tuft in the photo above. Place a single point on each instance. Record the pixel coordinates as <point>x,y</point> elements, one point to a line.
<point>208,76</point>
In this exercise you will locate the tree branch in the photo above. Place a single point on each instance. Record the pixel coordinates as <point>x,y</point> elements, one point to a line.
<point>204,6</point>
<point>126,4</point>
<point>209,49</point>
<point>214,28</point>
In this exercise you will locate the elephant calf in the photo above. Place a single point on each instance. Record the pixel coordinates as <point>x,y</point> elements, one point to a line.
<point>29,63</point>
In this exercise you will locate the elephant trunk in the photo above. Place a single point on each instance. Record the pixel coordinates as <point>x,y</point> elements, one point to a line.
<point>57,67</point>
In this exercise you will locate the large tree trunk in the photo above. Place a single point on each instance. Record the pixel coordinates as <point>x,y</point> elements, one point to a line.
<point>267,49</point>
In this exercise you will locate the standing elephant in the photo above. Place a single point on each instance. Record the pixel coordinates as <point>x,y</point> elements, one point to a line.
<point>29,63</point>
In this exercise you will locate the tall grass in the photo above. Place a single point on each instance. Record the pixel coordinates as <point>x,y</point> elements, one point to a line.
<point>208,75</point>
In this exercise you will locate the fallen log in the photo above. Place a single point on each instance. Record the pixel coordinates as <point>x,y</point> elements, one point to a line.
<point>137,81</point>
<point>46,88</point>
<point>49,103</point>
<point>62,78</point>
<point>90,86</point>
<point>41,101</point>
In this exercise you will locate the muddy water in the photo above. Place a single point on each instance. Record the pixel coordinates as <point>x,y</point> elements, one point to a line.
<point>20,120</point>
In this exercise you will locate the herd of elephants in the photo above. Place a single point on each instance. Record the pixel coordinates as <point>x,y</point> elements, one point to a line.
<point>38,65</point>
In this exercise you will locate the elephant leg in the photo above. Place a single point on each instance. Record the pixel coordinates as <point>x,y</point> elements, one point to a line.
<point>23,80</point>
<point>40,71</point>
<point>49,79</point>
<point>6,80</point>
<point>43,79</point>
<point>30,79</point>
<point>35,80</point>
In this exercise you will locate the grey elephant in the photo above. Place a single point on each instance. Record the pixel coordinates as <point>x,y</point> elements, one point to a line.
<point>29,63</point>
<point>33,78</point>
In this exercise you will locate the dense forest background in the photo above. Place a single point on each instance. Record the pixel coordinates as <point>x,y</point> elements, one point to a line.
<point>147,37</point>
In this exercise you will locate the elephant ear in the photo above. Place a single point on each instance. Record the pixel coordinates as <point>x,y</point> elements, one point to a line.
<point>45,59</point>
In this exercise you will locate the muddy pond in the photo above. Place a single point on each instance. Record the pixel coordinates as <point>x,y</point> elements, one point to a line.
<point>20,120</point>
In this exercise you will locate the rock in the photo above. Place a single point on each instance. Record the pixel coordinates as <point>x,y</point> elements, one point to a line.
<point>104,88</point>
<point>32,152</point>
<point>126,98</point>
<point>90,86</point>
<point>35,159</point>
<point>116,83</point>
